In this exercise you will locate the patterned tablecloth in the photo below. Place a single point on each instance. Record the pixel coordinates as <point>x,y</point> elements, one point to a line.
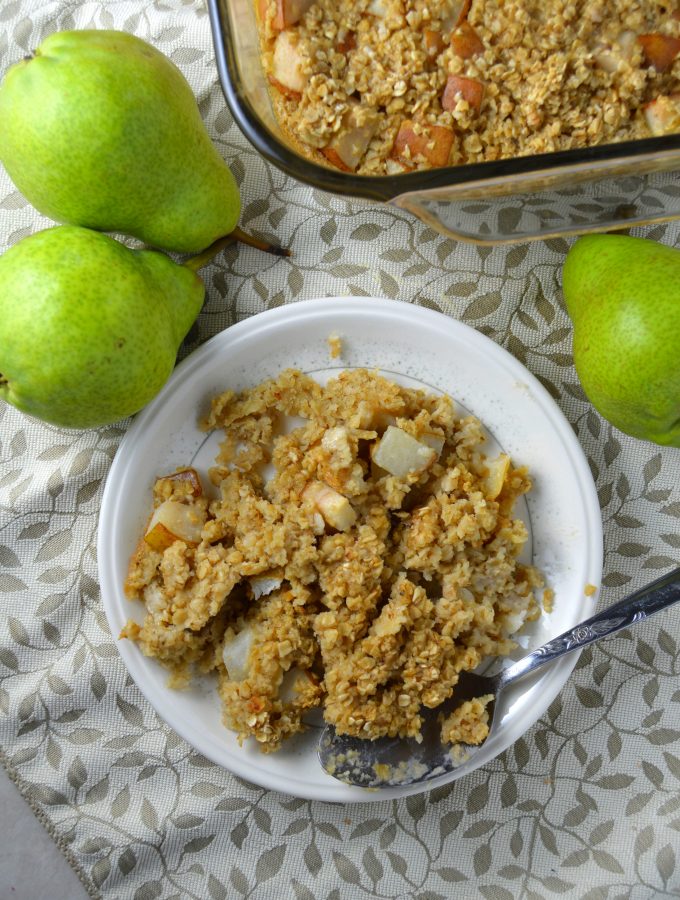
<point>585,805</point>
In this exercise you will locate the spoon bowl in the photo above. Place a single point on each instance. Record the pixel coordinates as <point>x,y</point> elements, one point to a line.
<point>388,762</point>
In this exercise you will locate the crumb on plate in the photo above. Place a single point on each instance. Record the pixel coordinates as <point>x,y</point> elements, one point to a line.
<point>548,598</point>
<point>334,345</point>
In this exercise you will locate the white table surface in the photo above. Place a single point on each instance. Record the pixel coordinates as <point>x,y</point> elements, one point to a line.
<point>31,865</point>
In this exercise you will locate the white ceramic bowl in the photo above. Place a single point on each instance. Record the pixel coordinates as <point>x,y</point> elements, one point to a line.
<point>414,346</point>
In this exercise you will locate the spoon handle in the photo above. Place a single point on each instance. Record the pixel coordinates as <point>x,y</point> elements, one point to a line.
<point>658,595</point>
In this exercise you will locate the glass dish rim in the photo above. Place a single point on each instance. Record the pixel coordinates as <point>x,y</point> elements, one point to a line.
<point>389,187</point>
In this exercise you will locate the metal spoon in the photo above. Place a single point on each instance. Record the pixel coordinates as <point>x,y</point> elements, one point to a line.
<point>388,762</point>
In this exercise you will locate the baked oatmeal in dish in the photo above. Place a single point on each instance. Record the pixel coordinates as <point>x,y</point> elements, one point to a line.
<point>354,551</point>
<point>381,87</point>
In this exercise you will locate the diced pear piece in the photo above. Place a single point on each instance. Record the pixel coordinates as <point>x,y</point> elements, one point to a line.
<point>350,143</point>
<point>470,89</point>
<point>497,470</point>
<point>287,65</point>
<point>378,8</point>
<point>436,441</point>
<point>336,442</point>
<point>336,510</point>
<point>336,439</point>
<point>457,11</point>
<point>611,57</point>
<point>402,455</point>
<point>434,42</point>
<point>465,42</point>
<point>186,477</point>
<point>381,419</point>
<point>159,538</point>
<point>334,157</point>
<point>514,616</point>
<point>432,142</point>
<point>347,42</point>
<point>663,115</point>
<point>396,167</point>
<point>261,585</point>
<point>235,653</point>
<point>288,12</point>
<point>292,680</point>
<point>174,521</point>
<point>318,524</point>
<point>660,50</point>
<point>607,59</point>
<point>154,598</point>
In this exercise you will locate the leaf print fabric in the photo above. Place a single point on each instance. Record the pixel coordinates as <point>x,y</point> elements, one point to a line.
<point>585,805</point>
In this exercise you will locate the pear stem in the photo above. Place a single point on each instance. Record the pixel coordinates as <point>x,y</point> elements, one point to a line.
<point>258,243</point>
<point>202,259</point>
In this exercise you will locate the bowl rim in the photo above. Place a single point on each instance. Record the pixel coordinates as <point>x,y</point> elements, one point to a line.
<point>388,188</point>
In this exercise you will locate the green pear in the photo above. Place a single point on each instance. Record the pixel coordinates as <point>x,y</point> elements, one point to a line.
<point>623,296</point>
<point>100,129</point>
<point>89,330</point>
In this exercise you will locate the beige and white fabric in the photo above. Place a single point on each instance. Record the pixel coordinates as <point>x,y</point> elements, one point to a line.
<point>586,805</point>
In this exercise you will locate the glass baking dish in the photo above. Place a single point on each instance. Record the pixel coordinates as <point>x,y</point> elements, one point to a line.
<point>571,192</point>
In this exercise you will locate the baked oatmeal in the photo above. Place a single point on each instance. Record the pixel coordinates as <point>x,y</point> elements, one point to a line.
<point>381,87</point>
<point>357,562</point>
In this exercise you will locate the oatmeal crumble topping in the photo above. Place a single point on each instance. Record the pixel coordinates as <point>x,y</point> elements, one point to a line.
<point>377,562</point>
<point>380,87</point>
